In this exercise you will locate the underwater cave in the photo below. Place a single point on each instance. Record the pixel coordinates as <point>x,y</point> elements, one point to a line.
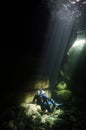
<point>53,61</point>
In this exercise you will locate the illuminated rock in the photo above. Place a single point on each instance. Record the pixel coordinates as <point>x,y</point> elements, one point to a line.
<point>62,85</point>
<point>31,109</point>
<point>64,94</point>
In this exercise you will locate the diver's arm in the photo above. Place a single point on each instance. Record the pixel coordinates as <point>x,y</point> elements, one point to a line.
<point>49,99</point>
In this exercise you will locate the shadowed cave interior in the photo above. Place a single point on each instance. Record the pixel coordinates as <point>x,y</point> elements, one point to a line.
<point>53,58</point>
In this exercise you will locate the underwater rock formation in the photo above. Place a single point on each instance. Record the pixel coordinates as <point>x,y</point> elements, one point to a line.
<point>30,117</point>
<point>62,92</point>
<point>45,118</point>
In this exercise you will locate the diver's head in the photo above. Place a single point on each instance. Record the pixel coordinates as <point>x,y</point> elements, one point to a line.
<point>40,91</point>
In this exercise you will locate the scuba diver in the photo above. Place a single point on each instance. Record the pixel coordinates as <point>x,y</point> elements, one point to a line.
<point>45,102</point>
